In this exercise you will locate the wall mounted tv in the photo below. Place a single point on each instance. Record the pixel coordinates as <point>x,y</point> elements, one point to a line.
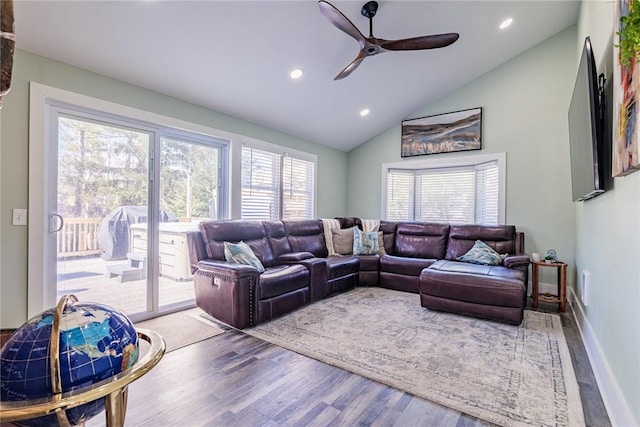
<point>588,139</point>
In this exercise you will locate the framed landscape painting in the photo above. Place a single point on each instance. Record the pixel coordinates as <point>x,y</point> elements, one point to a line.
<point>442,133</point>
<point>626,103</point>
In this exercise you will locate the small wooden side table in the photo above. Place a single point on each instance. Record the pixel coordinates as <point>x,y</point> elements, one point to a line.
<point>561,296</point>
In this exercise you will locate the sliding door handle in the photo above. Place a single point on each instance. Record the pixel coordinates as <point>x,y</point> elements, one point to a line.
<point>52,223</point>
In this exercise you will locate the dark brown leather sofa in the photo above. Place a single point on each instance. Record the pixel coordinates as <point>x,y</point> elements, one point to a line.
<point>420,258</point>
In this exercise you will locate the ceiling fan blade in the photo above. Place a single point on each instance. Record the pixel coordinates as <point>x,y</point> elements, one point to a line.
<point>416,43</point>
<point>340,21</point>
<point>351,67</point>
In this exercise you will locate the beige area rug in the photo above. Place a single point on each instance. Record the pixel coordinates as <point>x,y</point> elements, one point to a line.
<point>504,374</point>
<point>182,328</point>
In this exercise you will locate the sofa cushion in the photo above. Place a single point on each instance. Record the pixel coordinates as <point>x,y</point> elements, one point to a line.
<point>388,229</point>
<point>482,254</point>
<point>365,242</point>
<point>403,265</point>
<point>502,238</point>
<point>282,279</point>
<point>241,253</point>
<point>215,233</point>
<point>277,237</point>
<point>342,240</point>
<point>369,262</point>
<point>479,284</point>
<point>421,240</point>
<point>338,266</point>
<point>306,236</point>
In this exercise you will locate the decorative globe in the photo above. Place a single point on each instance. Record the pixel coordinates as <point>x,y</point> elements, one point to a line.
<point>96,342</point>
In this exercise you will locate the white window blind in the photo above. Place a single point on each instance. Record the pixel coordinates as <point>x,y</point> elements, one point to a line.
<point>298,188</point>
<point>400,186</point>
<point>276,185</point>
<point>487,193</point>
<point>260,184</point>
<point>457,195</point>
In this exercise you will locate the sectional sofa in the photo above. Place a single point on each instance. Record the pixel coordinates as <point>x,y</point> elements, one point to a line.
<point>414,257</point>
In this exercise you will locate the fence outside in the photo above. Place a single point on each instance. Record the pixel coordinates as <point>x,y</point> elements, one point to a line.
<point>79,237</point>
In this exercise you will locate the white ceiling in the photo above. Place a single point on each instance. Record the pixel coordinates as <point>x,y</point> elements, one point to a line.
<point>235,56</point>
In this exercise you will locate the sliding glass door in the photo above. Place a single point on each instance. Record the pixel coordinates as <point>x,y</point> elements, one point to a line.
<point>119,215</point>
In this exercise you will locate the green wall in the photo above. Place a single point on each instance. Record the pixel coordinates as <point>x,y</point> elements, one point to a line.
<point>607,238</point>
<point>14,152</point>
<point>524,113</point>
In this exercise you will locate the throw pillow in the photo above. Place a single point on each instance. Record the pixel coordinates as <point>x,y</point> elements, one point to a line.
<point>342,240</point>
<point>381,250</point>
<point>365,242</point>
<point>483,254</point>
<point>241,253</point>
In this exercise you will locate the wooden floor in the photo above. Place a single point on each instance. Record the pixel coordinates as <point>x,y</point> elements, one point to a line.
<point>236,380</point>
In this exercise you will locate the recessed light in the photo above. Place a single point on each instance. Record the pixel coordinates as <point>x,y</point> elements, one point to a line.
<point>364,112</point>
<point>506,23</point>
<point>296,74</point>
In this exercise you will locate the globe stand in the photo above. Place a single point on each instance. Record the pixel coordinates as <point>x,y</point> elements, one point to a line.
<point>113,390</point>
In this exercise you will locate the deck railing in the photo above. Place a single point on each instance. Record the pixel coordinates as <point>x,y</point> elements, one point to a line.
<point>79,237</point>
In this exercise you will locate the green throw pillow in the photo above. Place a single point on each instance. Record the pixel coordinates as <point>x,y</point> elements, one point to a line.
<point>241,253</point>
<point>483,254</point>
<point>365,242</point>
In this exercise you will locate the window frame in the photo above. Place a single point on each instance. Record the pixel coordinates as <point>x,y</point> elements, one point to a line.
<point>449,162</point>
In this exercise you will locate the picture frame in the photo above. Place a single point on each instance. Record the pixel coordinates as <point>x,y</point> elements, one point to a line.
<point>442,133</point>
<point>626,103</point>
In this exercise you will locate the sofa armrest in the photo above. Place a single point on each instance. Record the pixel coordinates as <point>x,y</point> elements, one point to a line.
<point>227,291</point>
<point>317,271</point>
<point>294,257</point>
<point>519,261</point>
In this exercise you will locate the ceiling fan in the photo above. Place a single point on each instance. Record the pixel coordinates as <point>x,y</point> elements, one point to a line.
<point>371,45</point>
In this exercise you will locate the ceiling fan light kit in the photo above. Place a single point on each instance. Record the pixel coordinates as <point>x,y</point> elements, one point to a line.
<point>371,45</point>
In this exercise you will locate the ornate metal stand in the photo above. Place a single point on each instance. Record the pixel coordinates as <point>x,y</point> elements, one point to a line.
<point>114,390</point>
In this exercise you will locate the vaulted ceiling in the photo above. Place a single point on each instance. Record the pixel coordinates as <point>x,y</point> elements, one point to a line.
<point>235,56</point>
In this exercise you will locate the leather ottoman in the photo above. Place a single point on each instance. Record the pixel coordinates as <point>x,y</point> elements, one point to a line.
<point>490,292</point>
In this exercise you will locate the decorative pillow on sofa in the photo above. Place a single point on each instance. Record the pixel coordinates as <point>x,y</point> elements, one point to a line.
<point>342,240</point>
<point>365,242</point>
<point>241,253</point>
<point>381,250</point>
<point>483,254</point>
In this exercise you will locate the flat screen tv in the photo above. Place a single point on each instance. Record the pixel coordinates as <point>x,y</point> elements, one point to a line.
<point>587,141</point>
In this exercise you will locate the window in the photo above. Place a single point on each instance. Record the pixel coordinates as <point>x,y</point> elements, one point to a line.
<point>277,184</point>
<point>465,191</point>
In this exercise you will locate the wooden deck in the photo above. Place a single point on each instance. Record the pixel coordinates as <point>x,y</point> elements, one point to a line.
<point>88,279</point>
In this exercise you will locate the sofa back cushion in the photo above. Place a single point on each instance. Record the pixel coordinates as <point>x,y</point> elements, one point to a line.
<point>501,238</point>
<point>421,240</point>
<point>215,233</point>
<point>306,236</point>
<point>388,229</point>
<point>350,221</point>
<point>277,237</point>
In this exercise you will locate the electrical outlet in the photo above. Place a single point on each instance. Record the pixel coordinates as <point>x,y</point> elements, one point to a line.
<point>19,217</point>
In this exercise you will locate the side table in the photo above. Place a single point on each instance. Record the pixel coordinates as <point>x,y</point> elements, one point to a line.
<point>561,296</point>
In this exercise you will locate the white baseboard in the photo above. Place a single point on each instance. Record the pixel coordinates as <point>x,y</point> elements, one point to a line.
<point>617,407</point>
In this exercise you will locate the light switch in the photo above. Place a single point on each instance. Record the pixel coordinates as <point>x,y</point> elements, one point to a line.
<point>19,217</point>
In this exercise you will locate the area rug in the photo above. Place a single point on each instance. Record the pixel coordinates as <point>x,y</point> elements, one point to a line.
<point>507,375</point>
<point>182,328</point>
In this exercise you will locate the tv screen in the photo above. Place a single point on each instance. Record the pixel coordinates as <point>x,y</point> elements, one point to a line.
<point>586,130</point>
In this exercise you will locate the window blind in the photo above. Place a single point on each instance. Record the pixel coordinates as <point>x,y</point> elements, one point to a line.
<point>276,185</point>
<point>400,190</point>
<point>298,188</point>
<point>456,195</point>
<point>260,184</point>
